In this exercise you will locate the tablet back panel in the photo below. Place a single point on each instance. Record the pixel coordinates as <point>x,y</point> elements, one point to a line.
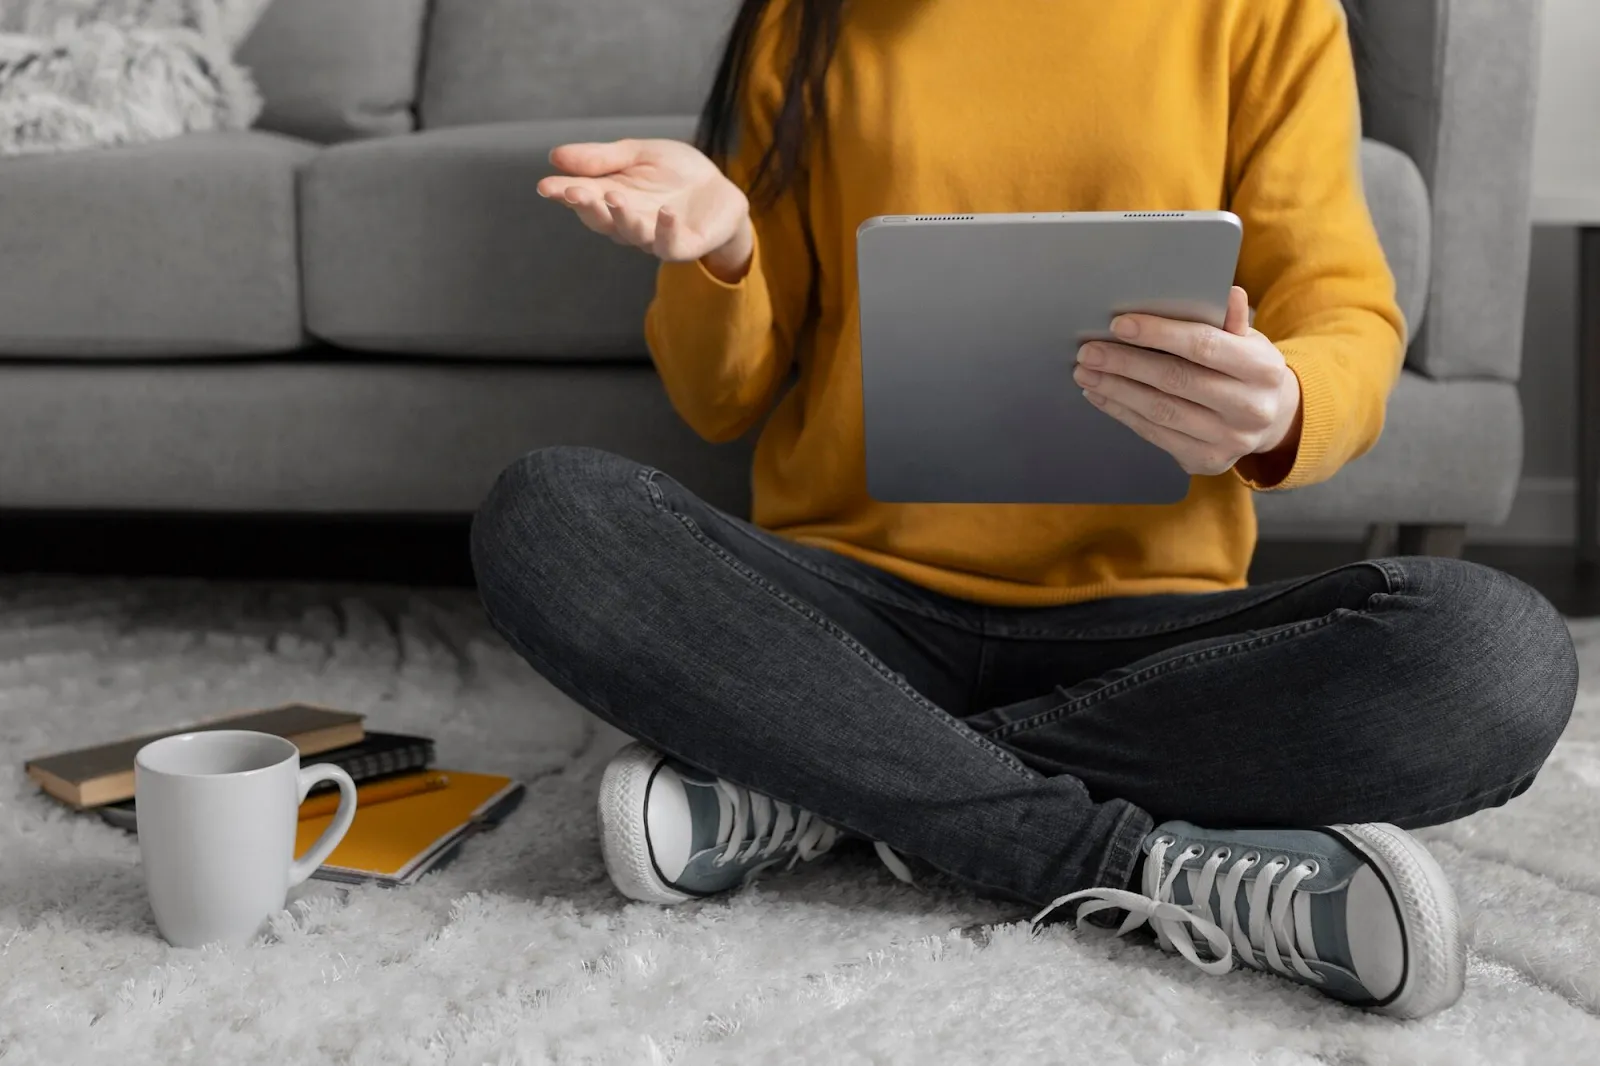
<point>970,326</point>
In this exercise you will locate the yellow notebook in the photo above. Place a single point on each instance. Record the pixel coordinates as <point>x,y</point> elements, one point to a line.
<point>397,841</point>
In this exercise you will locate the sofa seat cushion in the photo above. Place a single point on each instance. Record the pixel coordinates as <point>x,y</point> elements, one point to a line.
<point>175,248</point>
<point>439,244</point>
<point>327,434</point>
<point>1451,452</point>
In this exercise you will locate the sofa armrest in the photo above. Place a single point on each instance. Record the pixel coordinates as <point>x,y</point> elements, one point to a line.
<point>1453,83</point>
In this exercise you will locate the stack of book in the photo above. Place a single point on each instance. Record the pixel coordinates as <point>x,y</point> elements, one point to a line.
<point>411,816</point>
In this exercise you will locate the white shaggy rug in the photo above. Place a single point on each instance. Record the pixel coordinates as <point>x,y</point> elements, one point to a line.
<point>521,953</point>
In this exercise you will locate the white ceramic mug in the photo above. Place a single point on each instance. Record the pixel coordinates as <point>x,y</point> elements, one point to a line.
<point>218,811</point>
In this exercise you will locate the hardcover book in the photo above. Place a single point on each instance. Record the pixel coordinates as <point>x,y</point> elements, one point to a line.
<point>96,776</point>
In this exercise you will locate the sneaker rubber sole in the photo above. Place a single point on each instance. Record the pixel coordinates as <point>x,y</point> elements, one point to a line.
<point>1436,958</point>
<point>624,834</point>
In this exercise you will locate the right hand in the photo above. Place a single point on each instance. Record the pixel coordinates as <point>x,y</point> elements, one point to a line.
<point>662,196</point>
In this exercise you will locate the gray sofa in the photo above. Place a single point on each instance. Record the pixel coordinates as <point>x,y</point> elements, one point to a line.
<point>363,307</point>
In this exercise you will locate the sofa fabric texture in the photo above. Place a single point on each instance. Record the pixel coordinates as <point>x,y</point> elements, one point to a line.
<point>1397,198</point>
<point>409,437</point>
<point>1462,438</point>
<point>438,244</point>
<point>421,436</point>
<point>433,244</point>
<point>503,60</point>
<point>336,313</point>
<point>185,247</point>
<point>334,70</point>
<point>1452,83</point>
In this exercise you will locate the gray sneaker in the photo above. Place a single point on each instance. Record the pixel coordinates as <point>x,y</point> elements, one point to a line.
<point>671,833</point>
<point>1362,913</point>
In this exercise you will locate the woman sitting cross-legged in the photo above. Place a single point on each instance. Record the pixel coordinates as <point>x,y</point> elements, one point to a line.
<point>1075,705</point>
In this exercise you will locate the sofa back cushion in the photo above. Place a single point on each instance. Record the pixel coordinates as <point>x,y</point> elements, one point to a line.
<point>504,60</point>
<point>336,70</point>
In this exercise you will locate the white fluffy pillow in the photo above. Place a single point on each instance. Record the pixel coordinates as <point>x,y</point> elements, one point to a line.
<point>96,84</point>
<point>228,21</point>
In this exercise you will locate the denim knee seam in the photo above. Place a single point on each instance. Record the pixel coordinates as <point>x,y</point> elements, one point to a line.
<point>1155,670</point>
<point>1189,621</point>
<point>647,477</point>
<point>861,588</point>
<point>1395,575</point>
<point>834,577</point>
<point>811,615</point>
<point>564,682</point>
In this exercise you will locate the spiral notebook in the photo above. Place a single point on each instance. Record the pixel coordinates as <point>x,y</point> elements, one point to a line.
<point>396,842</point>
<point>378,755</point>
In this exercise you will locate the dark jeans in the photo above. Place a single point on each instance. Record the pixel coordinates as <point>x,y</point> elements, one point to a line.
<point>1025,751</point>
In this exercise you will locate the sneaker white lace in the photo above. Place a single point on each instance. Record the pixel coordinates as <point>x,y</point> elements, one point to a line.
<point>767,828</point>
<point>1361,912</point>
<point>670,832</point>
<point>1272,915</point>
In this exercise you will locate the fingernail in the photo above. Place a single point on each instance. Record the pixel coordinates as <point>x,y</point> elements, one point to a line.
<point>1125,327</point>
<point>1086,377</point>
<point>1094,398</point>
<point>1090,355</point>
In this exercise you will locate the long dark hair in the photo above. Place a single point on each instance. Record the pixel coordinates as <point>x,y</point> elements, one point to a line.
<point>814,32</point>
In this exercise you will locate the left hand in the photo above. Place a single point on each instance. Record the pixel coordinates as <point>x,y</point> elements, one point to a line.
<point>1207,396</point>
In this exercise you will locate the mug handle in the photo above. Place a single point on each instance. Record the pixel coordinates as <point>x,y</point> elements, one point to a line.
<point>307,864</point>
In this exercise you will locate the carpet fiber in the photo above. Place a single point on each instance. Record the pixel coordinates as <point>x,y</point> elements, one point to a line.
<point>521,953</point>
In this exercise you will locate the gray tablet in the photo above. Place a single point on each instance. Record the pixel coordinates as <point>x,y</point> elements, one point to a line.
<point>970,327</point>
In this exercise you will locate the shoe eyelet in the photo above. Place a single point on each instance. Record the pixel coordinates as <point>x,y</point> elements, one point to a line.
<point>1223,853</point>
<point>1193,851</point>
<point>1166,842</point>
<point>1311,867</point>
<point>1251,858</point>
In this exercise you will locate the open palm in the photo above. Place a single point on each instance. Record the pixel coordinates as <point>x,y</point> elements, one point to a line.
<point>662,196</point>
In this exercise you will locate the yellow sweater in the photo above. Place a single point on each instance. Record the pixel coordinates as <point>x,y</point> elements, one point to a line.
<point>1068,105</point>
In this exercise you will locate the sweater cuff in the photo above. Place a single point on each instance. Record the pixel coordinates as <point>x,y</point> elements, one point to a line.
<point>707,286</point>
<point>708,313</point>
<point>1319,424</point>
